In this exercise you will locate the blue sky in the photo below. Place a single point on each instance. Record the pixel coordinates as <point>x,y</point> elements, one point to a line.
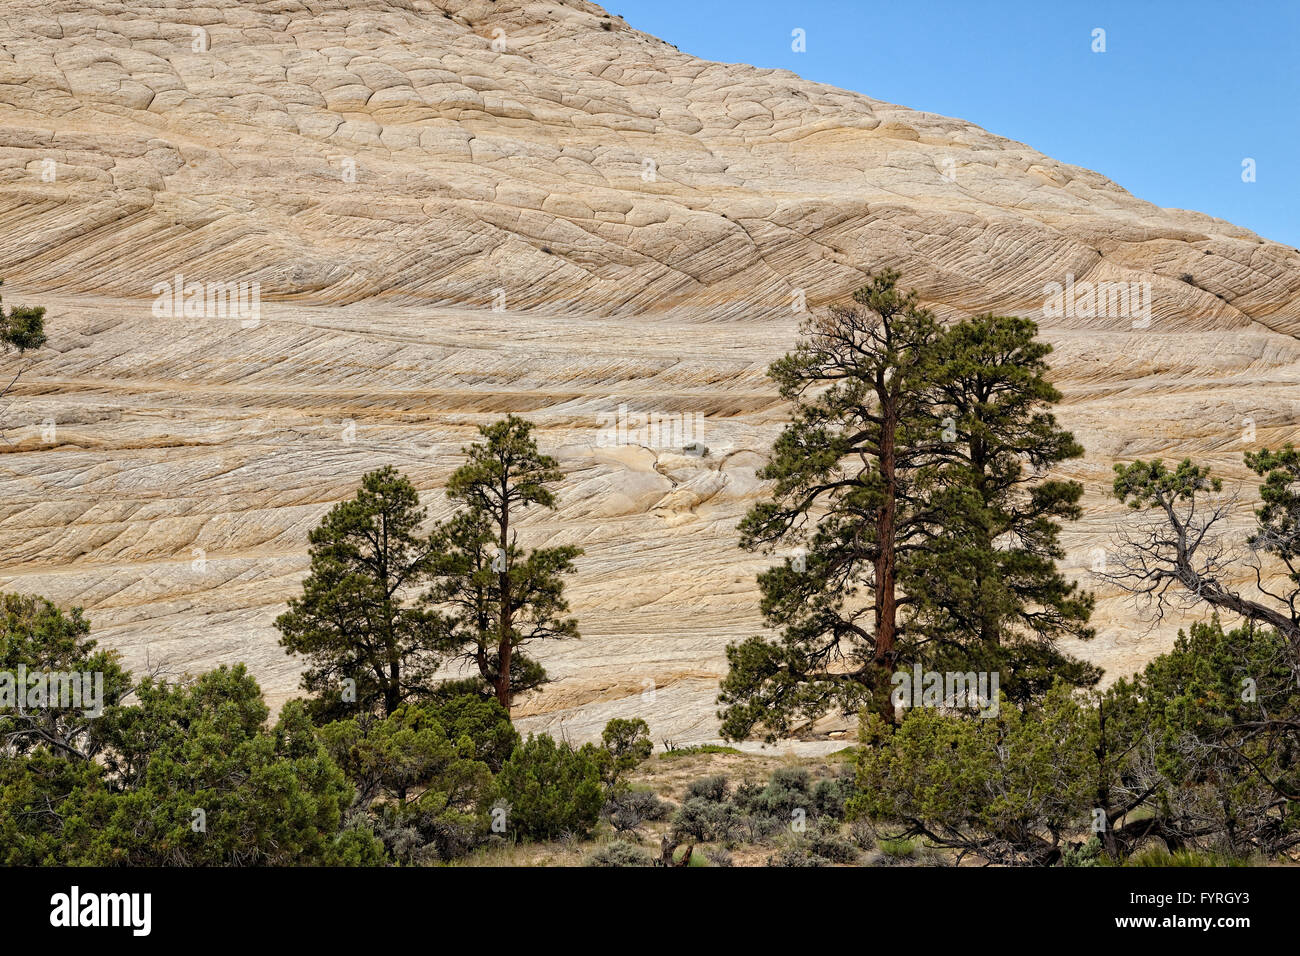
<point>1186,90</point>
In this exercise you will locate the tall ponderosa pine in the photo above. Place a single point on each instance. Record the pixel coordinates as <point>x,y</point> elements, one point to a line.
<point>851,476</point>
<point>927,538</point>
<point>987,594</point>
<point>503,598</point>
<point>359,617</point>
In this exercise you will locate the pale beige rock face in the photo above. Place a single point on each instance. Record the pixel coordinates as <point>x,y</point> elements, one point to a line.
<point>645,219</point>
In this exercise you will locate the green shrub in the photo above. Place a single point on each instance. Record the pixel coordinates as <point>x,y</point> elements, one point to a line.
<point>424,790</point>
<point>830,845</point>
<point>787,790</point>
<point>1214,725</point>
<point>483,721</point>
<point>191,776</point>
<point>23,328</point>
<point>862,833</point>
<point>796,855</point>
<point>718,856</point>
<point>756,813</point>
<point>624,744</point>
<point>628,810</point>
<point>994,787</point>
<point>1159,856</point>
<point>713,789</point>
<point>697,749</point>
<point>761,829</point>
<point>618,853</point>
<point>706,821</point>
<point>832,794</point>
<point>551,789</point>
<point>818,846</point>
<point>1082,854</point>
<point>897,849</point>
<point>181,773</point>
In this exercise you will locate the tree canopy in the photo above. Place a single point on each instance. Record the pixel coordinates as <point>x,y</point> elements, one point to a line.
<point>369,640</point>
<point>909,501</point>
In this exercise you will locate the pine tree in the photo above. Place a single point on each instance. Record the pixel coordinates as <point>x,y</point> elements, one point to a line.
<point>1183,553</point>
<point>360,618</point>
<point>851,474</point>
<point>501,597</point>
<point>987,594</point>
<point>911,480</point>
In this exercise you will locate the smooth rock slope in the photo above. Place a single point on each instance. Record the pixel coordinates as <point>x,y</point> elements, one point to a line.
<point>453,210</point>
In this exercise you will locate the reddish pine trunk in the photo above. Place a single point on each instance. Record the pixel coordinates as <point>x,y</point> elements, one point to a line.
<point>886,599</point>
<point>504,646</point>
<point>503,677</point>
